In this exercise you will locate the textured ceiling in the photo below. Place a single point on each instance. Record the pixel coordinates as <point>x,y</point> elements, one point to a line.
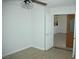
<point>57,3</point>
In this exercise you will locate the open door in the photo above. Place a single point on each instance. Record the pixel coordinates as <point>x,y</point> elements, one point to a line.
<point>70,30</point>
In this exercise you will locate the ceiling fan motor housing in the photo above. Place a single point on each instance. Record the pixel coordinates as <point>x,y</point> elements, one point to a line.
<point>27,1</point>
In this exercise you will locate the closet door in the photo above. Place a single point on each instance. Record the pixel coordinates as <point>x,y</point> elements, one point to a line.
<point>70,30</point>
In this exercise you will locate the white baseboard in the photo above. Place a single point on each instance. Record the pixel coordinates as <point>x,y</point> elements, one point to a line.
<point>38,48</point>
<point>15,51</point>
<point>20,50</point>
<point>23,49</point>
<point>49,48</point>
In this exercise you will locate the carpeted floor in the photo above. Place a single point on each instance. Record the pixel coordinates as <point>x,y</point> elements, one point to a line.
<point>60,40</point>
<point>33,53</point>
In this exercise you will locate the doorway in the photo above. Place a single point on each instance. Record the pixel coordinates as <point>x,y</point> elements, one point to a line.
<point>64,31</point>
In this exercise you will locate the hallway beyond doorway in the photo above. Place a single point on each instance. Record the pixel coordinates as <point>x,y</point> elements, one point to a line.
<point>60,40</point>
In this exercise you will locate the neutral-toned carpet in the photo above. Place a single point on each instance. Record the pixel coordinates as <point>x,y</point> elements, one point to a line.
<point>33,53</point>
<point>60,40</point>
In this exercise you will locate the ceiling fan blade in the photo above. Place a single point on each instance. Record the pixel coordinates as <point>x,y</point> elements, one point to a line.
<point>39,2</point>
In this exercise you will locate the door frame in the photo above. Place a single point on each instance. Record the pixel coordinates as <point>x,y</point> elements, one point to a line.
<point>67,22</point>
<point>68,31</point>
<point>52,17</point>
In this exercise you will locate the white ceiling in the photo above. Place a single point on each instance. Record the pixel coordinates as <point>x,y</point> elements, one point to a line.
<point>56,3</point>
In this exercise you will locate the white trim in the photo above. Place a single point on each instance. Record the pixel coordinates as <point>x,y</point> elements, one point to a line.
<point>39,48</point>
<point>49,48</point>
<point>6,54</point>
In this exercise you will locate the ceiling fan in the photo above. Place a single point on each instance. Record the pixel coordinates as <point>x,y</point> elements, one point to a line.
<point>29,3</point>
<point>35,1</point>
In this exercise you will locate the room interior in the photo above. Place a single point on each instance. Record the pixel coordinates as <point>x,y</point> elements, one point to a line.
<point>61,28</point>
<point>28,33</point>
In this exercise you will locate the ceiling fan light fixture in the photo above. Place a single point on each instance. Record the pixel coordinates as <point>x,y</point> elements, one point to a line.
<point>27,4</point>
